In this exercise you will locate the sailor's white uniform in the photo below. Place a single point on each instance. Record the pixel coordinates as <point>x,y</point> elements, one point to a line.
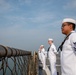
<point>43,58</point>
<point>68,55</point>
<point>39,55</point>
<point>52,59</point>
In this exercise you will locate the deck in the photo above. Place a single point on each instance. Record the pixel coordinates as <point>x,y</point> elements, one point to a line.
<point>47,71</point>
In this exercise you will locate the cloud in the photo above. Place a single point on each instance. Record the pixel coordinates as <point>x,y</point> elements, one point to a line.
<point>70,5</point>
<point>23,2</point>
<point>16,36</point>
<point>42,17</point>
<point>4,5</point>
<point>28,26</point>
<point>37,19</point>
<point>30,39</point>
<point>27,1</point>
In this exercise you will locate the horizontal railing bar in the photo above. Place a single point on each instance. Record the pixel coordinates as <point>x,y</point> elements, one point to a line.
<point>8,52</point>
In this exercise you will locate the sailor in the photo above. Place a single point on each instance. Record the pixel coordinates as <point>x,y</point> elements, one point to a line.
<point>39,55</point>
<point>43,58</point>
<point>52,56</point>
<point>68,47</point>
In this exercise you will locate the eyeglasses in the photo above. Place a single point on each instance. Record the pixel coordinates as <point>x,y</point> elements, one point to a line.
<point>63,25</point>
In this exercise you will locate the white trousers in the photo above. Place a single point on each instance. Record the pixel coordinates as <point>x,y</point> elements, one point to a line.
<point>53,67</point>
<point>44,63</point>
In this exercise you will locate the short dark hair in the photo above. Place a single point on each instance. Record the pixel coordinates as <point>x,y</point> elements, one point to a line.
<point>73,25</point>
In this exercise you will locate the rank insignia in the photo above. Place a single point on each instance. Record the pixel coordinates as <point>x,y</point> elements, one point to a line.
<point>74,46</point>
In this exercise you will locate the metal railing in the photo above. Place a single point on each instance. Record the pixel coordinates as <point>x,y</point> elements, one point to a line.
<point>17,62</point>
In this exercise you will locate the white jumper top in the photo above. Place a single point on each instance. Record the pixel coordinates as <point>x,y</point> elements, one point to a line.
<point>68,55</point>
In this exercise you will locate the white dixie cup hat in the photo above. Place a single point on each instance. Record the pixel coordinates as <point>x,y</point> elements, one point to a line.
<point>50,39</point>
<point>69,20</point>
<point>42,46</point>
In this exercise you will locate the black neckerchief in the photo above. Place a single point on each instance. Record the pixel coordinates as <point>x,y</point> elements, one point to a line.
<point>48,49</point>
<point>61,46</point>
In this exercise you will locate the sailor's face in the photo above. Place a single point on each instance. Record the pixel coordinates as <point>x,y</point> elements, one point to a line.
<point>49,42</point>
<point>65,28</point>
<point>41,47</point>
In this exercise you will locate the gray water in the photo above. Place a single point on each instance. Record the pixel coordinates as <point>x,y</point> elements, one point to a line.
<point>10,65</point>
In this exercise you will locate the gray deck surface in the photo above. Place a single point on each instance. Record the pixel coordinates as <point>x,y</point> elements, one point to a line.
<point>47,71</point>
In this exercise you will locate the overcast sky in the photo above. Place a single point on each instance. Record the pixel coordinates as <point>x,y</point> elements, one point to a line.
<point>26,24</point>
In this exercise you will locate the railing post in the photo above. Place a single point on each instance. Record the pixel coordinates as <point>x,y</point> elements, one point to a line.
<point>29,65</point>
<point>35,58</point>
